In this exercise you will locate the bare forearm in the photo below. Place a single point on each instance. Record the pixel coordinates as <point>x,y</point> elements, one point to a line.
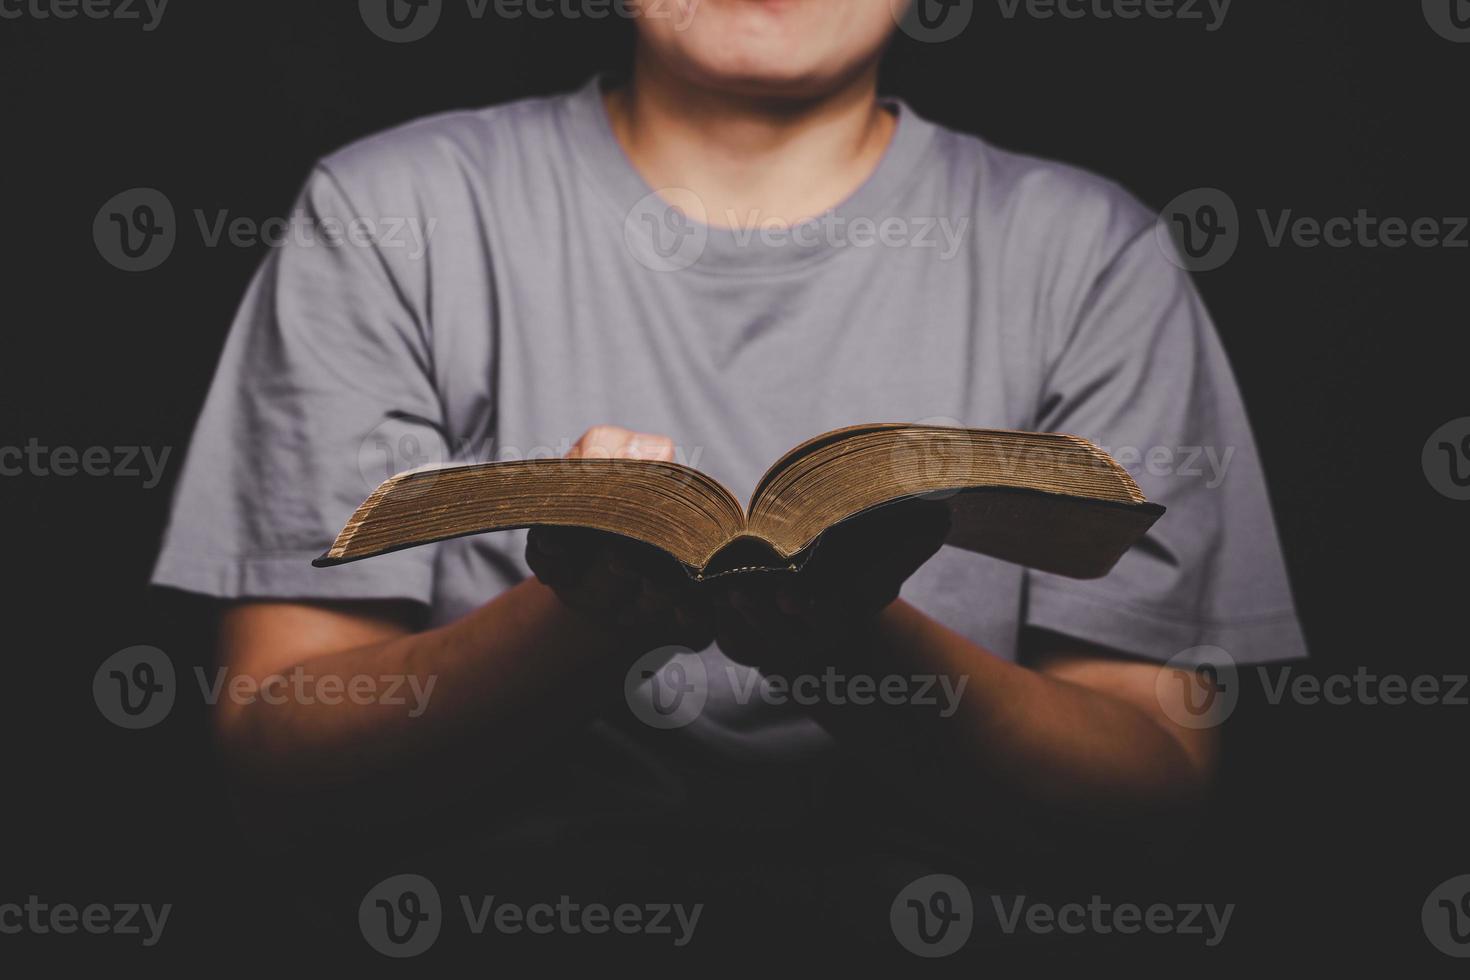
<point>522,663</point>
<point>493,691</point>
<point>1047,740</point>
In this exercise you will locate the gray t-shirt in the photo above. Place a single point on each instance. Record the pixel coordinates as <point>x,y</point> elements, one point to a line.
<point>489,284</point>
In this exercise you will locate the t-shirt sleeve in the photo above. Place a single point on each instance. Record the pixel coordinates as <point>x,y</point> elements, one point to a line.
<point>324,389</point>
<point>1141,372</point>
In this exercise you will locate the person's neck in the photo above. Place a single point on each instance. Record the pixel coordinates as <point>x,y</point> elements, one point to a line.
<point>750,159</point>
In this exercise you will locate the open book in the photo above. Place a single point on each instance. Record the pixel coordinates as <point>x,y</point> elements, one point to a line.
<point>1049,501</point>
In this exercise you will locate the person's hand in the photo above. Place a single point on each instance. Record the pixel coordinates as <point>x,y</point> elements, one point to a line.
<point>631,586</point>
<point>783,622</point>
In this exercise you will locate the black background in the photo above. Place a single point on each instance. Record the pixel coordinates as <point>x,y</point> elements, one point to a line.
<point>1337,820</point>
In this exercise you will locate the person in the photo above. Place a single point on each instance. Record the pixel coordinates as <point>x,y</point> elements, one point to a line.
<point>739,246</point>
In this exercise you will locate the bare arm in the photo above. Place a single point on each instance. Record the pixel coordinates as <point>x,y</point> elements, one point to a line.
<point>1076,730</point>
<point>491,669</point>
<point>1079,729</point>
<point>353,693</point>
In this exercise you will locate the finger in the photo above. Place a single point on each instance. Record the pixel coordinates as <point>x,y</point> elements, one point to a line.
<point>650,606</point>
<point>878,583</point>
<point>904,553</point>
<point>868,564</point>
<point>739,640</point>
<point>693,620</point>
<point>928,521</point>
<point>644,445</point>
<point>605,587</point>
<point>615,442</point>
<point>569,543</point>
<point>786,636</point>
<point>894,522</point>
<point>795,602</point>
<point>600,441</point>
<point>551,571</point>
<point>551,560</point>
<point>559,555</point>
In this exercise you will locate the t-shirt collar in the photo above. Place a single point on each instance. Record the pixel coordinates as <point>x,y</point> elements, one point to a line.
<point>746,249</point>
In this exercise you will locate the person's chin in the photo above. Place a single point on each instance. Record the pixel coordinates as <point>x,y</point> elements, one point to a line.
<point>775,86</point>
<point>760,74</point>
